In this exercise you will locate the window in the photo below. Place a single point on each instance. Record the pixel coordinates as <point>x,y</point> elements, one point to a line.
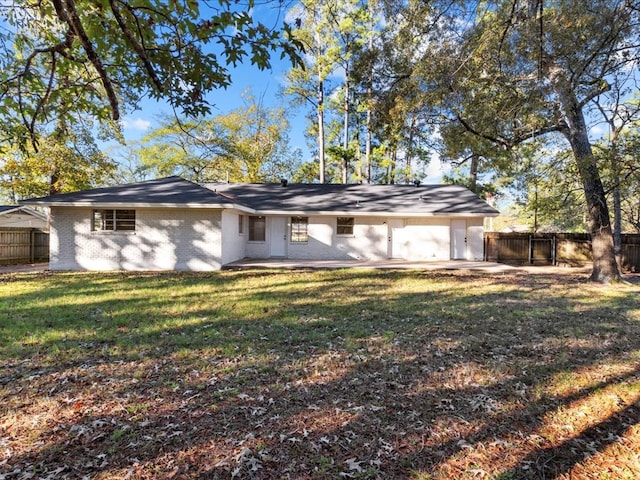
<point>114,220</point>
<point>257,229</point>
<point>240,224</point>
<point>299,232</point>
<point>345,226</point>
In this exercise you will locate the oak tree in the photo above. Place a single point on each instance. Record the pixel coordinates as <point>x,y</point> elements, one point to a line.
<point>63,58</point>
<point>519,69</point>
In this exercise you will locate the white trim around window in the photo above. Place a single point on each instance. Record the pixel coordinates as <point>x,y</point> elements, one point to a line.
<point>299,230</point>
<point>114,220</point>
<point>257,228</point>
<point>344,226</point>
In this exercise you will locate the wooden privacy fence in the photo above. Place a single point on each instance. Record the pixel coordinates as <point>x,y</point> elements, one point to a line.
<point>572,249</point>
<point>23,245</point>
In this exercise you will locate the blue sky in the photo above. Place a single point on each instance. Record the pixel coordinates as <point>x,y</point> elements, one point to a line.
<point>244,77</point>
<point>266,84</point>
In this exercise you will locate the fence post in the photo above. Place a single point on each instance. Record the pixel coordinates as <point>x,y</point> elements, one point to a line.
<point>485,253</point>
<point>32,246</point>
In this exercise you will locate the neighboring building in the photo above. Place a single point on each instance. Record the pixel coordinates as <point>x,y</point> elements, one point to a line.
<point>18,216</point>
<point>174,224</point>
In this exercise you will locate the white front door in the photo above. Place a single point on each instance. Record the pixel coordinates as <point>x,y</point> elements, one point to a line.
<point>394,240</point>
<point>458,239</point>
<point>278,237</point>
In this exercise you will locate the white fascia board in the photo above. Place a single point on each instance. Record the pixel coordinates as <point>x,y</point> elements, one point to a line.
<point>241,209</point>
<point>27,210</point>
<point>220,206</point>
<point>35,213</point>
<point>352,213</point>
<point>11,210</point>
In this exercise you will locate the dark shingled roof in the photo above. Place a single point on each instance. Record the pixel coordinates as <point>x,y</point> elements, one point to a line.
<point>164,191</point>
<point>293,198</point>
<point>310,198</point>
<point>7,208</point>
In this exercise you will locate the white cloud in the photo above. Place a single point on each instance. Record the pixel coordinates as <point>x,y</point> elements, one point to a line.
<point>598,131</point>
<point>435,170</point>
<point>139,124</point>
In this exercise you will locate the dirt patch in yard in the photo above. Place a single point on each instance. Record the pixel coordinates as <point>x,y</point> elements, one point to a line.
<point>24,268</point>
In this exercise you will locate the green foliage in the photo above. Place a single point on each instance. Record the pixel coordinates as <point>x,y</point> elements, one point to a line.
<point>548,195</point>
<point>63,163</point>
<point>306,172</point>
<point>62,58</point>
<point>334,34</point>
<point>460,176</point>
<point>249,144</point>
<point>508,72</point>
<point>621,168</point>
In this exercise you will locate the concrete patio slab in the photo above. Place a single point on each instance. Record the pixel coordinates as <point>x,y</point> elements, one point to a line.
<point>381,264</point>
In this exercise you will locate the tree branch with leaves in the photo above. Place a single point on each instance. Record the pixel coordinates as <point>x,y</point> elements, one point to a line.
<point>65,58</point>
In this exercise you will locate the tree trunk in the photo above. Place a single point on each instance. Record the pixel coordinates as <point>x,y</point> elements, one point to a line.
<point>535,207</point>
<point>345,141</point>
<point>392,167</point>
<point>369,114</point>
<point>409,154</point>
<point>617,221</point>
<point>321,158</point>
<point>617,202</point>
<point>367,147</point>
<point>345,167</point>
<point>473,173</point>
<point>605,268</point>
<point>54,188</point>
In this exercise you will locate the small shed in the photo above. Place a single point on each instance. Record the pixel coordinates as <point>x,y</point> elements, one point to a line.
<point>19,216</point>
<point>24,236</point>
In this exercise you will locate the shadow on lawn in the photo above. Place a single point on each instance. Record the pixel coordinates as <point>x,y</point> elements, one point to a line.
<point>550,462</point>
<point>329,380</point>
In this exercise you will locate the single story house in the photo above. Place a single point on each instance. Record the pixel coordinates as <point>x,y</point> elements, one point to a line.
<point>174,224</point>
<point>19,216</point>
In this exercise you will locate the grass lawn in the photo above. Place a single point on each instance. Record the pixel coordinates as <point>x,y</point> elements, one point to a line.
<point>324,374</point>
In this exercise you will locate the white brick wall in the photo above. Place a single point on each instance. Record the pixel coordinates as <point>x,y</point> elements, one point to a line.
<point>165,239</point>
<point>233,243</point>
<point>420,239</point>
<point>323,244</point>
<point>205,239</point>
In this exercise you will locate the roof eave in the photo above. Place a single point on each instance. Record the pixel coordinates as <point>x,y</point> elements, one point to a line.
<point>219,206</point>
<point>11,210</point>
<point>361,213</point>
<point>26,209</point>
